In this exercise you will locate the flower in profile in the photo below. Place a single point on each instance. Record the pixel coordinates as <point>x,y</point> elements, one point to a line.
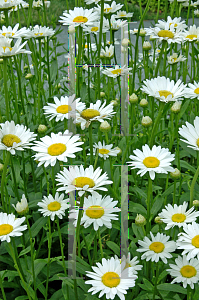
<point>8,4</point>
<point>56,147</point>
<point>22,207</point>
<point>169,34</point>
<point>176,22</point>
<point>157,160</point>
<point>10,32</point>
<point>108,52</point>
<point>10,226</point>
<point>109,9</point>
<point>93,1</point>
<point>6,49</point>
<point>110,278</point>
<point>185,271</point>
<point>117,24</point>
<point>95,28</point>
<point>163,89</point>
<point>131,263</point>
<point>191,134</point>
<point>174,58</point>
<point>78,179</point>
<point>15,137</point>
<point>189,241</point>
<point>192,91</point>
<point>79,17</point>
<point>191,35</point>
<point>63,108</point>
<point>117,71</point>
<point>40,32</point>
<point>157,248</point>
<point>123,14</point>
<point>96,112</point>
<point>105,150</point>
<point>98,211</point>
<point>54,206</point>
<point>177,215</point>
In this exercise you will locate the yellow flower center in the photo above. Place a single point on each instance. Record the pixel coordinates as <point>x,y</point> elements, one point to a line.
<point>80,19</point>
<point>54,206</point>
<point>123,15</point>
<point>165,93</point>
<point>94,28</point>
<point>197,142</point>
<point>195,241</point>
<point>175,25</point>
<point>4,48</point>
<point>95,212</point>
<point>9,139</point>
<point>104,151</point>
<point>5,229</point>
<point>39,33</point>
<point>174,59</point>
<point>188,271</point>
<point>111,279</point>
<point>106,10</point>
<point>56,149</point>
<point>118,71</point>
<point>82,181</point>
<point>191,36</point>
<point>157,247</point>
<point>179,218</point>
<point>151,162</point>
<point>4,34</point>
<point>196,91</point>
<point>166,33</point>
<point>63,109</point>
<point>90,113</point>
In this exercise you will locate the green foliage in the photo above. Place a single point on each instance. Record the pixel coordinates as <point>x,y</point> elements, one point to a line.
<point>153,4</point>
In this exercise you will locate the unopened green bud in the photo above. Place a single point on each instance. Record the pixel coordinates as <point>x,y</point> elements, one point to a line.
<point>42,128</point>
<point>105,126</point>
<point>143,103</point>
<point>1,168</point>
<point>29,76</point>
<point>196,203</point>
<point>102,94</point>
<point>133,98</point>
<point>140,220</point>
<point>114,102</point>
<point>1,61</point>
<point>146,121</point>
<point>158,220</point>
<point>22,207</point>
<point>176,174</point>
<point>146,46</point>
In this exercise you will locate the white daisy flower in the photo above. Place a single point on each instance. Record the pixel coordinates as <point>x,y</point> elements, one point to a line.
<point>22,3</point>
<point>192,34</point>
<point>54,206</point>
<point>40,32</point>
<point>196,12</point>
<point>191,134</point>
<point>178,24</point>
<point>174,58</point>
<point>63,108</point>
<point>22,207</point>
<point>117,24</point>
<point>95,28</point>
<point>123,14</point>
<point>93,1</point>
<point>158,248</point>
<point>177,215</point>
<point>15,137</point>
<point>157,160</point>
<point>105,150</point>
<point>10,32</point>
<point>79,17</point>
<point>131,263</point>
<point>109,9</point>
<point>7,50</point>
<point>108,52</point>
<point>189,241</point>
<point>10,226</point>
<point>98,211</point>
<point>110,278</point>
<point>96,112</point>
<point>169,34</point>
<point>88,180</point>
<point>56,147</point>
<point>185,271</point>
<point>8,4</point>
<point>192,91</point>
<point>163,89</point>
<point>117,71</point>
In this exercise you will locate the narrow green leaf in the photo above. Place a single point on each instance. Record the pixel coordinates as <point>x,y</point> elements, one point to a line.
<point>114,247</point>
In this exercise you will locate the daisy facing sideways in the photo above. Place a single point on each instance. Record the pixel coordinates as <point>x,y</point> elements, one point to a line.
<point>6,49</point>
<point>157,160</point>
<point>82,180</point>
<point>177,215</point>
<point>158,248</point>
<point>192,91</point>
<point>191,134</point>
<point>110,278</point>
<point>105,150</point>
<point>117,71</point>
<point>97,211</point>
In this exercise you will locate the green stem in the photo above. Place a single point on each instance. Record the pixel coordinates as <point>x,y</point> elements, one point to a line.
<point>3,178</point>
<point>149,193</point>
<point>48,263</point>
<point>2,289</point>
<point>156,123</point>
<point>91,143</point>
<point>61,246</point>
<point>156,280</point>
<point>192,187</point>
<point>100,244</point>
<point>88,252</point>
<point>163,48</point>
<point>5,80</point>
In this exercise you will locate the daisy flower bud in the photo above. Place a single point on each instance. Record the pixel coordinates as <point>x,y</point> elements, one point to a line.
<point>102,94</point>
<point>22,207</point>
<point>140,220</point>
<point>196,203</point>
<point>146,121</point>
<point>115,103</point>
<point>176,174</point>
<point>1,168</point>
<point>105,126</point>
<point>176,107</point>
<point>1,61</point>
<point>158,220</point>
<point>42,128</point>
<point>133,98</point>
<point>143,103</point>
<point>142,32</point>
<point>146,46</point>
<point>29,76</point>
<point>125,42</point>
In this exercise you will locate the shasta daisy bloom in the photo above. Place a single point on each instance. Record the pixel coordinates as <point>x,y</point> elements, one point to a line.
<point>22,207</point>
<point>117,71</point>
<point>96,112</point>
<point>185,271</point>
<point>110,278</point>
<point>10,226</point>
<point>157,248</point>
<point>131,263</point>
<point>192,91</point>
<point>191,134</point>
<point>174,58</point>
<point>123,14</point>
<point>8,4</point>
<point>157,160</point>
<point>78,179</point>
<point>178,24</point>
<point>117,24</point>
<point>79,17</point>
<point>56,147</point>
<point>189,241</point>
<point>105,150</point>
<point>177,215</point>
<point>10,32</point>
<point>108,52</point>
<point>15,137</point>
<point>63,108</point>
<point>169,34</point>
<point>6,49</point>
<point>98,211</point>
<point>192,34</point>
<point>95,28</point>
<point>54,206</point>
<point>109,9</point>
<point>93,1</point>
<point>40,32</point>
<point>163,89</point>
